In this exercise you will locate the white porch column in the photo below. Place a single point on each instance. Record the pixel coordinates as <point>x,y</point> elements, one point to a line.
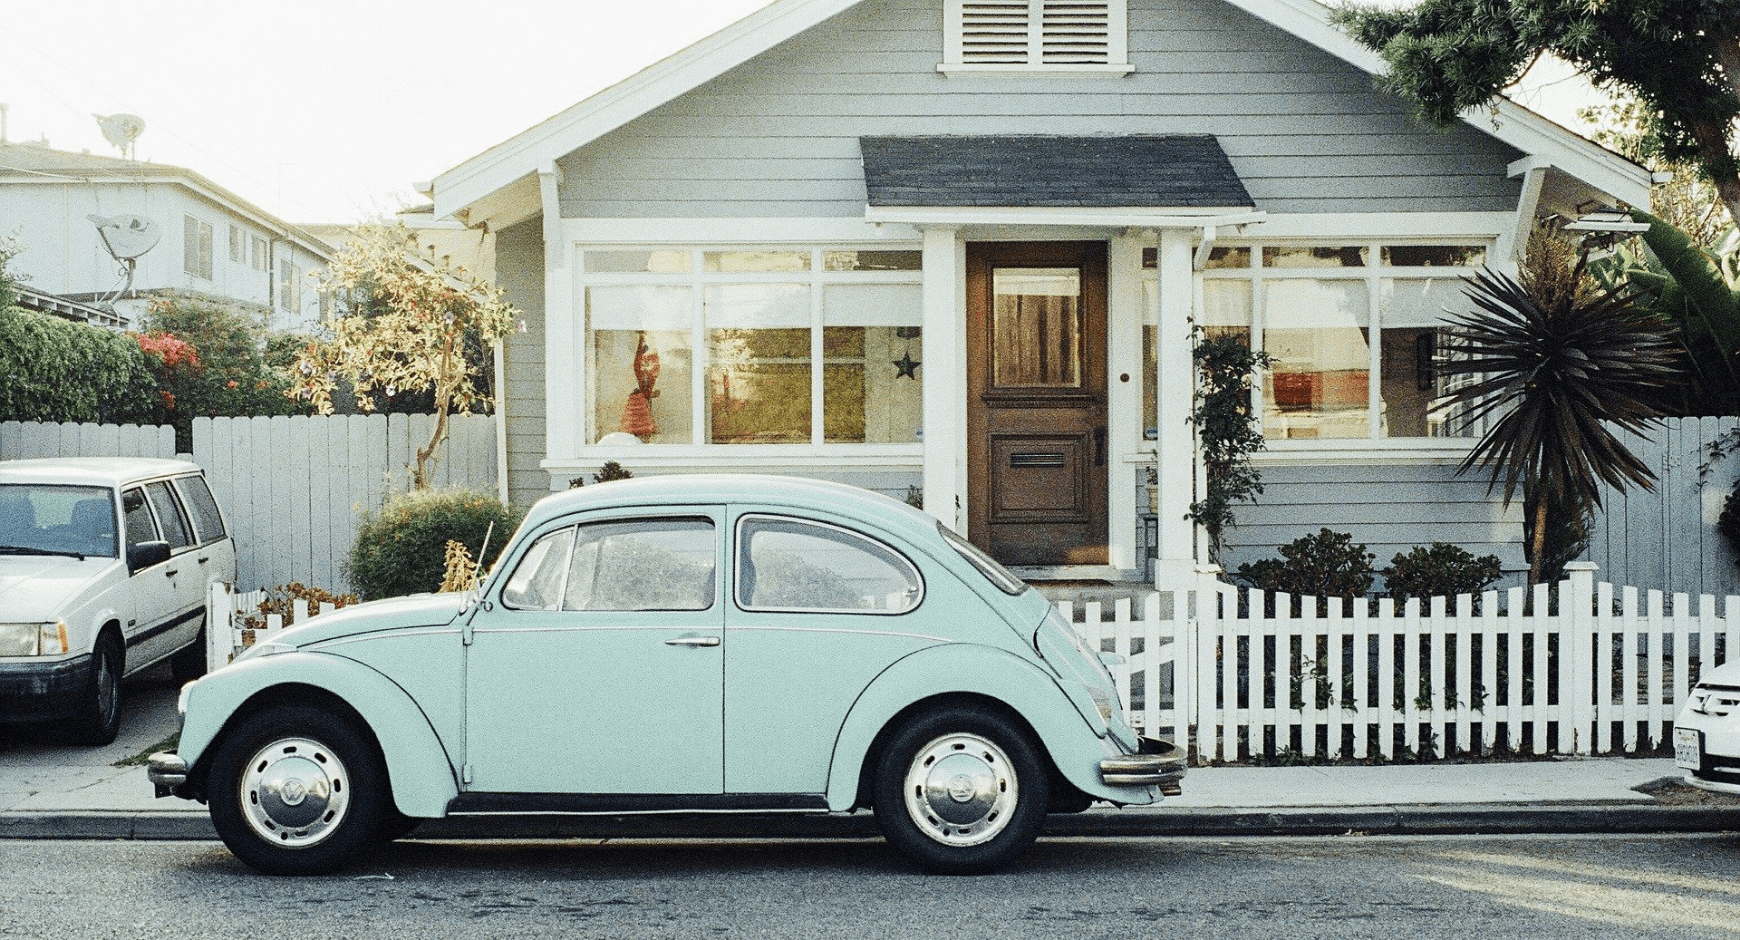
<point>1123,393</point>
<point>564,363</point>
<point>1175,382</point>
<point>945,377</point>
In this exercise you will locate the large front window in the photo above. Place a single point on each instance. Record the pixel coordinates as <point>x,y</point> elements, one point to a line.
<point>754,346</point>
<point>1353,330</point>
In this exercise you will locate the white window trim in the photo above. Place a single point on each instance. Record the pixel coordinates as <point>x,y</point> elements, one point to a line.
<point>1117,44</point>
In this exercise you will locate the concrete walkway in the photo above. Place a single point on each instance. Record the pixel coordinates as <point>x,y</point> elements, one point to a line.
<point>48,790</point>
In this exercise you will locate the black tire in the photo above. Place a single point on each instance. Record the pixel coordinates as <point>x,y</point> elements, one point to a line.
<point>961,791</point>
<point>188,663</point>
<point>98,718</point>
<point>397,825</point>
<point>297,790</point>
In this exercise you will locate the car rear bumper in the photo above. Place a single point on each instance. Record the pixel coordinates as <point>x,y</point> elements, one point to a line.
<point>1157,763</point>
<point>39,691</point>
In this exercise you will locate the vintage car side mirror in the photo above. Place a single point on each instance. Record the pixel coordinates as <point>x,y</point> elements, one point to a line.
<point>143,555</point>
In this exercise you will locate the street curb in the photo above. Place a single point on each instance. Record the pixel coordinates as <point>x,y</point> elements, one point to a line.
<point>1473,819</point>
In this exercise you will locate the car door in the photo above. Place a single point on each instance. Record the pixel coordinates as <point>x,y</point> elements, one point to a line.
<point>153,588</point>
<point>598,667</point>
<point>185,573</point>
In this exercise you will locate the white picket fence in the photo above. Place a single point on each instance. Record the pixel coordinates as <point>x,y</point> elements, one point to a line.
<point>1242,676</point>
<point>25,440</point>
<point>226,634</point>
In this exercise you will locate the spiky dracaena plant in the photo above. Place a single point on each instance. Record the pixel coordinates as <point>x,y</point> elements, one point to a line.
<point>1557,366</point>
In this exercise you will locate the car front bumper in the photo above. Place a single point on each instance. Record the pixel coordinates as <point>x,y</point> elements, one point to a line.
<point>1157,763</point>
<point>43,691</point>
<point>168,774</point>
<point>1707,740</point>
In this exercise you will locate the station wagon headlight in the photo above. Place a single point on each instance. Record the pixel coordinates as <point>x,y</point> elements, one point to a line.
<point>33,639</point>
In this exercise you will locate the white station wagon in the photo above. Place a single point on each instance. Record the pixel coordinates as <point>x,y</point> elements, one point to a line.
<point>676,644</point>
<point>104,565</point>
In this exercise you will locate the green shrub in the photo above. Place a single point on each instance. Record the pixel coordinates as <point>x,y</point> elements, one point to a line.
<point>1443,570</point>
<point>403,548</point>
<point>57,370</point>
<point>1328,564</point>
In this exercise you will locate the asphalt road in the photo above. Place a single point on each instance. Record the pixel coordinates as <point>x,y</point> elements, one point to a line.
<point>1490,888</point>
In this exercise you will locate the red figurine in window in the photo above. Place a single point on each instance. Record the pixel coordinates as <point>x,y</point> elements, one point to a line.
<point>637,416</point>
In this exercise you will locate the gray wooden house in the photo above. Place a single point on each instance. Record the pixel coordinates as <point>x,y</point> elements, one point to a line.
<point>956,249</point>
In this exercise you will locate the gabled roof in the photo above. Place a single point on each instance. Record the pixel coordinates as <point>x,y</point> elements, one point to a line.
<point>28,163</point>
<point>536,148</point>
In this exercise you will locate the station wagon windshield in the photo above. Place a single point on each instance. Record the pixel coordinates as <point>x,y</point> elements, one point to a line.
<point>45,519</point>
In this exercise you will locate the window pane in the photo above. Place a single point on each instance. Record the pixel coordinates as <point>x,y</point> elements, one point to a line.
<point>1318,385</point>
<point>759,384</point>
<point>662,564</point>
<point>207,522</point>
<point>1423,301</point>
<point>789,565</point>
<point>58,518</point>
<point>873,304</point>
<point>758,305</point>
<point>872,260</point>
<point>1036,327</point>
<point>1433,256</point>
<point>642,262</point>
<point>137,518</point>
<point>872,386</point>
<point>735,261</point>
<point>642,378</point>
<point>1408,384</point>
<point>1351,256</point>
<point>536,583</point>
<point>169,517</point>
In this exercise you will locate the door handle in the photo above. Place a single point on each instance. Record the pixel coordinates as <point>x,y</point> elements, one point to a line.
<point>204,560</point>
<point>171,572</point>
<point>693,641</point>
<point>1099,447</point>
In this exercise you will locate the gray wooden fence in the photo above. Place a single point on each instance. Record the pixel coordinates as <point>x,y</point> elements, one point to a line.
<point>295,488</point>
<point>24,440</point>
<point>1667,538</point>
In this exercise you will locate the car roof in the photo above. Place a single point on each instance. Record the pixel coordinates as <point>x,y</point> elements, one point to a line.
<point>796,493</point>
<point>91,471</point>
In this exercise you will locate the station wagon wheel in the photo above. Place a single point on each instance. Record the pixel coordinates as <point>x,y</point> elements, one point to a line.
<point>297,791</point>
<point>99,715</point>
<point>961,791</point>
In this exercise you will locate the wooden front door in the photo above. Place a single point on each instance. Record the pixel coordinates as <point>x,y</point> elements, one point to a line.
<point>1036,401</point>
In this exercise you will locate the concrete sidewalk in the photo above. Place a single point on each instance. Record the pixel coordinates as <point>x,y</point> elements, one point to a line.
<point>49,790</point>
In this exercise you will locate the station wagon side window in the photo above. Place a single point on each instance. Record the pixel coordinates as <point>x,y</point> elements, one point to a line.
<point>169,516</point>
<point>137,517</point>
<point>208,523</point>
<point>790,565</point>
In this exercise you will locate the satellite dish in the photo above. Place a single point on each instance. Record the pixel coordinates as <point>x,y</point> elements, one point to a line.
<point>121,130</point>
<point>127,236</point>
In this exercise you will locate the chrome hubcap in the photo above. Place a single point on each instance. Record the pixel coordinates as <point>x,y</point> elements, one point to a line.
<point>961,790</point>
<point>295,793</point>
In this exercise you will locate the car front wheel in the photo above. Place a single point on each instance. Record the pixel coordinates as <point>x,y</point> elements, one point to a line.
<point>98,719</point>
<point>961,791</point>
<point>297,791</point>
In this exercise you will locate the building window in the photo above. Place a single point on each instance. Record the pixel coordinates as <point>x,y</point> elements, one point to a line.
<point>261,259</point>
<point>238,245</point>
<point>1060,35</point>
<point>756,346</point>
<point>1353,330</point>
<point>196,247</point>
<point>289,287</point>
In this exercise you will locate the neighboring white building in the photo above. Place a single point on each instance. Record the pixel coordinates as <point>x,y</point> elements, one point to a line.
<point>211,242</point>
<point>959,248</point>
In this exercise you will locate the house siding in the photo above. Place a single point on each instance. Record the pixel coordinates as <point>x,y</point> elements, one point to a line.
<point>519,264</point>
<point>778,136</point>
<point>1389,507</point>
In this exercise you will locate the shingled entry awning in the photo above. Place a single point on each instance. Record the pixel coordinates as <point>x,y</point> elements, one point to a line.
<point>1170,171</point>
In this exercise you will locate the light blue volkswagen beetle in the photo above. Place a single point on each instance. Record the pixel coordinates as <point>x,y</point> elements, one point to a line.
<point>676,644</point>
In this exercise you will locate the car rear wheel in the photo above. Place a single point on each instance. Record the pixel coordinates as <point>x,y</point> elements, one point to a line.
<point>98,719</point>
<point>297,791</point>
<point>961,791</point>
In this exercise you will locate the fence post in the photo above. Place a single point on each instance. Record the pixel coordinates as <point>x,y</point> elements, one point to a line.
<point>1576,688</point>
<point>218,613</point>
<point>1197,710</point>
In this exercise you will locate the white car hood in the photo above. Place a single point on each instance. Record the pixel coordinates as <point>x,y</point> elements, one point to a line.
<point>40,587</point>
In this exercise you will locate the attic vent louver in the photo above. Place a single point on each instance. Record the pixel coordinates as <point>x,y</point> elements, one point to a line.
<point>1036,34</point>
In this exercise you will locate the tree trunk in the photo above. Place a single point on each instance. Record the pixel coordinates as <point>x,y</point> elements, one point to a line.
<point>1713,141</point>
<point>1538,540</point>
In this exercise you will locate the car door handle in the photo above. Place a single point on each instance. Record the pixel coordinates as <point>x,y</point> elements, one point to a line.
<point>693,641</point>
<point>172,572</point>
<point>204,560</point>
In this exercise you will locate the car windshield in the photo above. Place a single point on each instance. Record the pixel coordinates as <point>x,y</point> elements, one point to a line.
<point>43,519</point>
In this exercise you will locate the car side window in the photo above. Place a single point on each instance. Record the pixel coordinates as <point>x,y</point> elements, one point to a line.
<point>169,516</point>
<point>788,565</point>
<point>208,523</point>
<point>536,583</point>
<point>643,564</point>
<point>136,517</point>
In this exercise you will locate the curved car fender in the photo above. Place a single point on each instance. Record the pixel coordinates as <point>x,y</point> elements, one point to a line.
<point>977,670</point>
<point>423,778</point>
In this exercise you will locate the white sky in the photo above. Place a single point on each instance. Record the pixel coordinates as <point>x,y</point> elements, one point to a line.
<point>328,110</point>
